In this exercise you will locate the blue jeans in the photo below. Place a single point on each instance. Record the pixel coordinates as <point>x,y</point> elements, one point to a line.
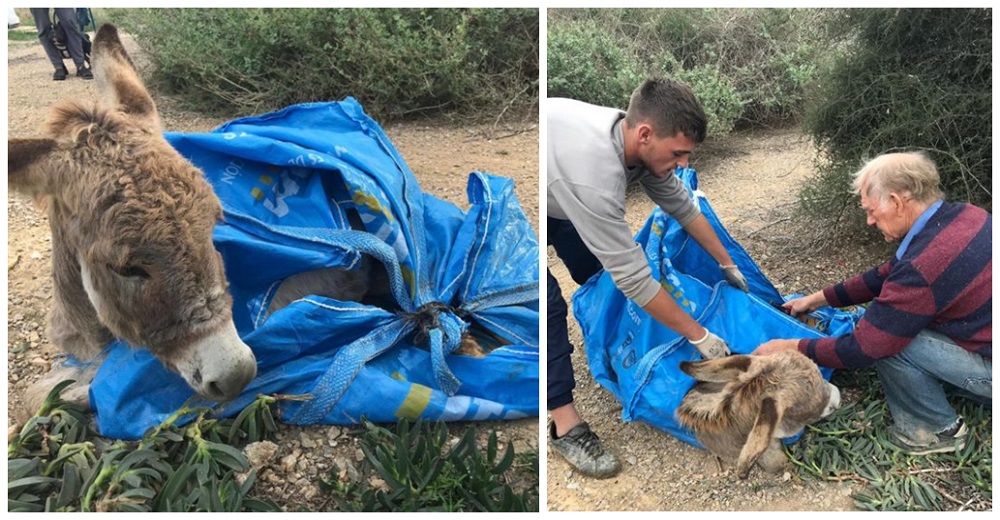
<point>582,264</point>
<point>915,381</point>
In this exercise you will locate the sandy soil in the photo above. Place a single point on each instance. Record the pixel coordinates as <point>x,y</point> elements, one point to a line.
<point>441,155</point>
<point>751,179</point>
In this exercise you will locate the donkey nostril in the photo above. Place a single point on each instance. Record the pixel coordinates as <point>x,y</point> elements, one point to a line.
<point>196,377</point>
<point>215,389</point>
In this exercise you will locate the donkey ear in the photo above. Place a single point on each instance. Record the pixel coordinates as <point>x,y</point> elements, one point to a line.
<point>27,165</point>
<point>119,82</point>
<point>719,370</point>
<point>760,436</point>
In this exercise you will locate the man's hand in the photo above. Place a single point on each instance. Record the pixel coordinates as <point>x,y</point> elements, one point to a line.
<point>735,277</point>
<point>805,304</point>
<point>776,345</point>
<point>711,346</point>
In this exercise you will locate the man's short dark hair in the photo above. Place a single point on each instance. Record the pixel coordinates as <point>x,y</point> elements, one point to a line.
<point>669,107</point>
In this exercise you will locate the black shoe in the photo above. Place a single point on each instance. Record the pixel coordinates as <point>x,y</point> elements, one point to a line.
<point>59,75</point>
<point>947,441</point>
<point>84,72</point>
<point>583,450</point>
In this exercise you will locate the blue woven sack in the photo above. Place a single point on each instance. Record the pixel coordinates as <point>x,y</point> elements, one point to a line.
<point>638,359</point>
<point>285,180</point>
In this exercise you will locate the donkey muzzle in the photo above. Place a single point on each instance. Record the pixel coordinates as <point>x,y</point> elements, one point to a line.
<point>218,366</point>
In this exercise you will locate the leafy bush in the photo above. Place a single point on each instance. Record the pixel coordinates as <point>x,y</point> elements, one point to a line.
<point>718,96</point>
<point>747,66</point>
<point>396,62</point>
<point>417,471</point>
<point>586,63</point>
<point>910,79</point>
<point>851,445</point>
<point>56,463</point>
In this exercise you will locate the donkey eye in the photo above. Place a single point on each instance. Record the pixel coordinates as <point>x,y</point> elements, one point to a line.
<point>130,271</point>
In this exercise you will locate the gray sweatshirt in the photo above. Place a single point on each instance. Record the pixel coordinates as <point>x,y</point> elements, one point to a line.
<point>587,179</point>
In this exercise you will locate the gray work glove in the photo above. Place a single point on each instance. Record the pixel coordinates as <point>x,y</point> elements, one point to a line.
<point>735,277</point>
<point>711,346</point>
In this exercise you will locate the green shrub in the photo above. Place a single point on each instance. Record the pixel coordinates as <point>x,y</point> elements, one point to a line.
<point>747,66</point>
<point>911,79</point>
<point>718,96</point>
<point>852,445</point>
<point>418,471</point>
<point>396,62</point>
<point>590,65</point>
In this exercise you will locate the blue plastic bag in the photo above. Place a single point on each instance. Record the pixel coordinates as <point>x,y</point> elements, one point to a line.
<point>285,180</point>
<point>638,359</point>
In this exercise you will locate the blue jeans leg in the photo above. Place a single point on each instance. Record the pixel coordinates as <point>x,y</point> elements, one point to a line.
<point>915,379</point>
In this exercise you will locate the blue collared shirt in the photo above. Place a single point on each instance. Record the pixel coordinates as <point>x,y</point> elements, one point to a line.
<point>918,226</point>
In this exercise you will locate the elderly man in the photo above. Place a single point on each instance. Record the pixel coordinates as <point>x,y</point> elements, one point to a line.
<point>594,153</point>
<point>929,325</point>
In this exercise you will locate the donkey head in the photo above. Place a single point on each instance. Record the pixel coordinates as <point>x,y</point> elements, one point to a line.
<point>132,225</point>
<point>743,405</point>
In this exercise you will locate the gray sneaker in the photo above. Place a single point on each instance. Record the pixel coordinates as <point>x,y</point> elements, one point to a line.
<point>582,449</point>
<point>947,441</point>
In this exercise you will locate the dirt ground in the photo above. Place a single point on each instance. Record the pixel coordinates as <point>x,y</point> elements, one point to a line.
<point>441,156</point>
<point>751,180</point>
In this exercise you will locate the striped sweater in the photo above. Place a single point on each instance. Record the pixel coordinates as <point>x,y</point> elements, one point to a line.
<point>942,282</point>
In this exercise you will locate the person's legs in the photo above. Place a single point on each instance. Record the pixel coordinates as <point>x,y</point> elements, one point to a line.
<point>914,389</point>
<point>43,24</point>
<point>558,350</point>
<point>569,435</point>
<point>74,39</point>
<point>581,263</point>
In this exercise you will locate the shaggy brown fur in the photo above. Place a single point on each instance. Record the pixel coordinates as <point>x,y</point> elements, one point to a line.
<point>742,406</point>
<point>131,224</point>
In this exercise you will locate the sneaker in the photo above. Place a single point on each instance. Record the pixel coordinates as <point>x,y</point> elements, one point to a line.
<point>582,449</point>
<point>59,75</point>
<point>84,72</point>
<point>947,441</point>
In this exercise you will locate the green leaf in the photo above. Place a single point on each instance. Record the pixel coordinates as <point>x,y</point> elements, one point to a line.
<point>506,462</point>
<point>174,487</point>
<point>28,481</point>
<point>71,487</point>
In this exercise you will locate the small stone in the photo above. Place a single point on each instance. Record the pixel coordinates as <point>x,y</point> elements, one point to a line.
<point>35,255</point>
<point>573,485</point>
<point>39,361</point>
<point>260,454</point>
<point>359,455</point>
<point>786,477</point>
<point>288,463</point>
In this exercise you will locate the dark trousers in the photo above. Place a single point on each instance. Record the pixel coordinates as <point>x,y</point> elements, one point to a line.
<point>582,264</point>
<point>74,38</point>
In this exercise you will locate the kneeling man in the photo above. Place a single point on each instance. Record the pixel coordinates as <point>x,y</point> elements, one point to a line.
<point>929,326</point>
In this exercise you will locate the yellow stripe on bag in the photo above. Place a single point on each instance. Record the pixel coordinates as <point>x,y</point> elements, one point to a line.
<point>415,403</point>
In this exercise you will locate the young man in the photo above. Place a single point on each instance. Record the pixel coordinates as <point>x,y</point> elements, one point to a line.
<point>594,153</point>
<point>930,320</point>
